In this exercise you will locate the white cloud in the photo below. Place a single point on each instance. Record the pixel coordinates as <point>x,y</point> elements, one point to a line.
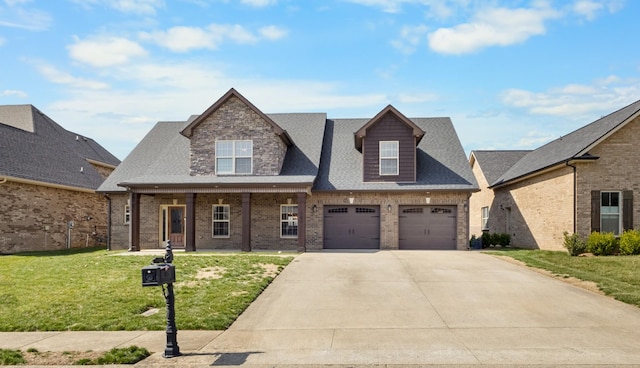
<point>259,3</point>
<point>418,97</point>
<point>14,93</point>
<point>534,139</point>
<point>59,77</point>
<point>17,16</point>
<point>410,38</point>
<point>141,7</point>
<point>576,101</point>
<point>104,51</point>
<point>491,27</point>
<point>2,41</point>
<point>184,39</point>
<point>587,8</point>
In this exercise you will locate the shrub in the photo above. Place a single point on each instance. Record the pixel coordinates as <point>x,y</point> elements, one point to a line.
<point>602,244</point>
<point>630,242</point>
<point>574,244</point>
<point>11,357</point>
<point>502,239</point>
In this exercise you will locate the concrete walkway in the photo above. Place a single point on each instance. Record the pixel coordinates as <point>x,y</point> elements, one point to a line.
<point>397,308</point>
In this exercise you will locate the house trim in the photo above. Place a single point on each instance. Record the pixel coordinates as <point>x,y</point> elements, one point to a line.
<point>609,133</point>
<point>4,179</point>
<point>362,132</point>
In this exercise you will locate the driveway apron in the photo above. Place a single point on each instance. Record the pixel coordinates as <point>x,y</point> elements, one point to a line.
<point>426,307</point>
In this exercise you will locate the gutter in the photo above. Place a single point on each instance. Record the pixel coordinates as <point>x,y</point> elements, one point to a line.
<point>108,220</point>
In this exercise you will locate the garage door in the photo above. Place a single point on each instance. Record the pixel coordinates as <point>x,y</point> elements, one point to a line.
<point>351,227</point>
<point>427,227</point>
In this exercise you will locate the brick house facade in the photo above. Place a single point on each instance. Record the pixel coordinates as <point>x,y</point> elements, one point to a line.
<point>585,181</point>
<point>48,182</point>
<point>236,178</point>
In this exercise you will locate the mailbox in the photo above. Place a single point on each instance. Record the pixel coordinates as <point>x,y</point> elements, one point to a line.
<point>158,274</point>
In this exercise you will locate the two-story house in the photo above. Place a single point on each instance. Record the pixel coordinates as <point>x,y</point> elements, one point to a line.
<point>234,177</point>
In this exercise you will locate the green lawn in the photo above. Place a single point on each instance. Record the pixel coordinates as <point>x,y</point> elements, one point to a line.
<point>616,276</point>
<point>98,290</point>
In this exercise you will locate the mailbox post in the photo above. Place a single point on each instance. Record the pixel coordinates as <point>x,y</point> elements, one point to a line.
<point>159,273</point>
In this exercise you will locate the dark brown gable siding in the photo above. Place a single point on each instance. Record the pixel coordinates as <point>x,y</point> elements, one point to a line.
<point>389,128</point>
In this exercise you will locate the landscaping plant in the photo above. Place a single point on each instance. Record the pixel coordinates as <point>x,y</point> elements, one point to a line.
<point>630,242</point>
<point>602,244</point>
<point>574,243</point>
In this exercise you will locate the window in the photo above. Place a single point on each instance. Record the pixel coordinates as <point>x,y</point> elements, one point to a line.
<point>484,217</point>
<point>221,220</point>
<point>127,213</point>
<point>289,221</point>
<point>610,212</point>
<point>389,157</point>
<point>234,157</point>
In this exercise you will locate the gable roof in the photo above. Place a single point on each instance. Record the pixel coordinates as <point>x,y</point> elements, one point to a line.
<point>362,132</point>
<point>573,146</point>
<point>35,148</point>
<point>188,130</point>
<point>495,163</point>
<point>162,158</point>
<point>440,159</point>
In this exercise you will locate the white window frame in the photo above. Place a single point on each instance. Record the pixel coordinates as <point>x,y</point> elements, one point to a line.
<point>214,221</point>
<point>234,157</point>
<point>484,217</point>
<point>127,214</point>
<point>393,157</point>
<point>286,216</point>
<point>604,213</point>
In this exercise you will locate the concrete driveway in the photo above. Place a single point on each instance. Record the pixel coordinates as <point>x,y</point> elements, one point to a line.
<point>425,307</point>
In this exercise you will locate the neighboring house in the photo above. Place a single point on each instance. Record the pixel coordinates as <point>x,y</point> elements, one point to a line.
<point>582,182</point>
<point>48,182</point>
<point>236,178</point>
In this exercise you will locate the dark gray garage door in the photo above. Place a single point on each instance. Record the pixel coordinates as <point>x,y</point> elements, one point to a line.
<point>351,227</point>
<point>427,227</point>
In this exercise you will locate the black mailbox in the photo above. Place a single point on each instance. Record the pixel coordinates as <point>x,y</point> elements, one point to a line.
<point>158,274</point>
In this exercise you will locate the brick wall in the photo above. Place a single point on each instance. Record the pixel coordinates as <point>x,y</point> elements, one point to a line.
<point>236,121</point>
<point>483,198</point>
<point>617,169</point>
<point>265,218</point>
<point>34,218</point>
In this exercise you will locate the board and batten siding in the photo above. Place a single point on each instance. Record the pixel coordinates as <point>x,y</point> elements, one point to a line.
<point>389,128</point>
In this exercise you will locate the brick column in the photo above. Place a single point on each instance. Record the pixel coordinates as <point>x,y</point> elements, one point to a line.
<point>134,222</point>
<point>190,226</point>
<point>302,222</point>
<point>246,222</point>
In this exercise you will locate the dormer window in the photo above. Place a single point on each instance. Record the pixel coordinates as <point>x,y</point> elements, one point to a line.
<point>234,157</point>
<point>389,157</point>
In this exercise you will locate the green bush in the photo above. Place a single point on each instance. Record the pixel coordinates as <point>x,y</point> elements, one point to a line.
<point>630,242</point>
<point>602,244</point>
<point>574,244</point>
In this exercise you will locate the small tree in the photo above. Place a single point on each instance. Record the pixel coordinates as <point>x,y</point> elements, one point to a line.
<point>574,244</point>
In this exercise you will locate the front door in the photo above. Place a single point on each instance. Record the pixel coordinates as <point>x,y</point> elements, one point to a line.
<point>172,226</point>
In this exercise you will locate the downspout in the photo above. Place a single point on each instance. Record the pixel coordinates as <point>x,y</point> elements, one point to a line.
<point>468,211</point>
<point>575,202</point>
<point>108,221</point>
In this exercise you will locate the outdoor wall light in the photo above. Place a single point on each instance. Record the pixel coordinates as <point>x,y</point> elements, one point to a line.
<point>314,208</point>
<point>389,207</point>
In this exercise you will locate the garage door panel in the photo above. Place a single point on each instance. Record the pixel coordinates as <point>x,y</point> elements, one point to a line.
<point>427,227</point>
<point>351,227</point>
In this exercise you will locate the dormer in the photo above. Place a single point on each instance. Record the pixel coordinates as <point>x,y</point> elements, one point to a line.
<point>388,143</point>
<point>233,137</point>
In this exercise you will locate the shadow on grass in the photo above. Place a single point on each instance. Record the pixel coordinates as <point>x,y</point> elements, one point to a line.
<point>61,252</point>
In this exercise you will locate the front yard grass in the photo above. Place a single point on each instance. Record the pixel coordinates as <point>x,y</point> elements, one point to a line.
<point>97,290</point>
<point>616,276</point>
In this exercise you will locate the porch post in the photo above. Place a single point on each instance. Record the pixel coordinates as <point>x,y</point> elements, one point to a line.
<point>190,226</point>
<point>302,222</point>
<point>134,222</point>
<point>246,222</point>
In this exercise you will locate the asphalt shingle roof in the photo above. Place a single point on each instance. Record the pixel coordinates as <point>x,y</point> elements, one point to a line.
<point>34,147</point>
<point>441,161</point>
<point>496,163</point>
<point>569,146</point>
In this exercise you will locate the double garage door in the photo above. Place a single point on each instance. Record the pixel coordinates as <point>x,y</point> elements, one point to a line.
<point>420,227</point>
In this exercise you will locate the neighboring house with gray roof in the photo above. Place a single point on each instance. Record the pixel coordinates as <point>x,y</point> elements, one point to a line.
<point>48,181</point>
<point>236,178</point>
<point>582,182</point>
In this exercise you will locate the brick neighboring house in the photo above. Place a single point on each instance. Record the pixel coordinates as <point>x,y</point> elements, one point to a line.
<point>236,178</point>
<point>48,179</point>
<point>582,182</point>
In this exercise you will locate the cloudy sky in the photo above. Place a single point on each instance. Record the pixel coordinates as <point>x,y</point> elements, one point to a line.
<point>511,74</point>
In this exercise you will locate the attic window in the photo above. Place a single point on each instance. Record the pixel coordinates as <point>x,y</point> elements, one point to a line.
<point>389,157</point>
<point>234,157</point>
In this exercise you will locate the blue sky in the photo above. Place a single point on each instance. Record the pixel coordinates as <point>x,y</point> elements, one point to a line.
<point>510,74</point>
